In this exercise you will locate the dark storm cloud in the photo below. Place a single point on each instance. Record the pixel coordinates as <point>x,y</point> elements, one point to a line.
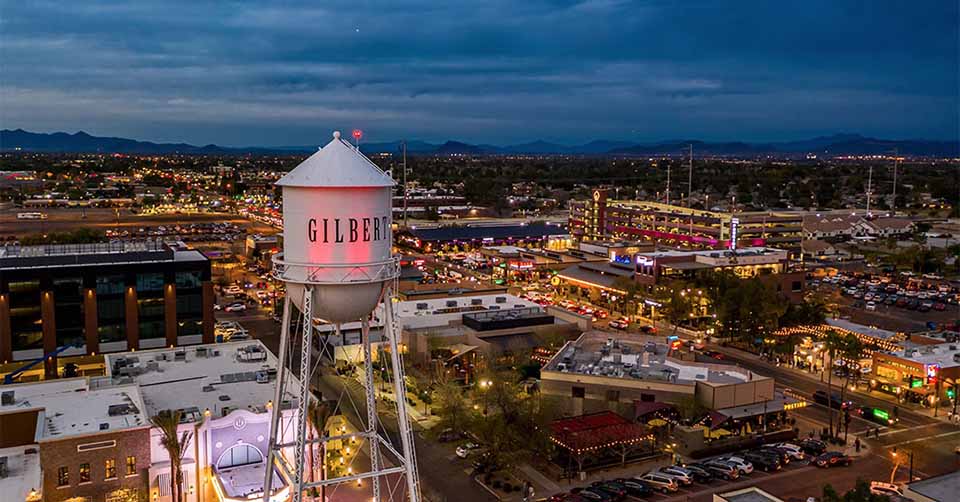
<point>287,72</point>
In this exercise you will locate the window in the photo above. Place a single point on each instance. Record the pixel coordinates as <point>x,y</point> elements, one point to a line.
<point>578,391</point>
<point>237,455</point>
<point>613,395</point>
<point>131,466</point>
<point>63,476</point>
<point>647,398</point>
<point>796,286</point>
<point>110,469</point>
<point>85,473</point>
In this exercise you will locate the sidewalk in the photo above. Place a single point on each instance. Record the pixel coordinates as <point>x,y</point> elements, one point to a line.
<point>545,486</point>
<point>942,414</point>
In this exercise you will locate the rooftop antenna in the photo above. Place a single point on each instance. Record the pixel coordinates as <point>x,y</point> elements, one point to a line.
<point>357,134</point>
<point>690,176</point>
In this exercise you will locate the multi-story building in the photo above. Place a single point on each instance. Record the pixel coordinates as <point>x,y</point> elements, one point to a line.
<point>600,218</point>
<point>75,442</point>
<point>106,297</point>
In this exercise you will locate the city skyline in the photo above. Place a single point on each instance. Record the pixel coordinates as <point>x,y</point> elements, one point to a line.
<point>499,73</point>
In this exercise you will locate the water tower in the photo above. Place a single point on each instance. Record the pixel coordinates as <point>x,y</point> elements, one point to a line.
<point>337,266</point>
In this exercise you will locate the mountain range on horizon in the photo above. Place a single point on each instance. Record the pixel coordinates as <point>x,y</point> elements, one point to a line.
<point>833,145</point>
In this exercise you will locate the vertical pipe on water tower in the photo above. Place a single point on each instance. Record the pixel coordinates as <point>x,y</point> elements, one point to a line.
<point>278,395</point>
<point>372,438</point>
<point>303,402</point>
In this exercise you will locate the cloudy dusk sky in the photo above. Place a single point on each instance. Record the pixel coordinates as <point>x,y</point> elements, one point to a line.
<point>277,73</point>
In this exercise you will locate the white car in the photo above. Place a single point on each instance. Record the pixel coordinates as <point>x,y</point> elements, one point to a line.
<point>262,294</point>
<point>683,476</point>
<point>235,307</point>
<point>871,306</point>
<point>888,489</point>
<point>463,451</point>
<point>742,465</point>
<point>793,451</point>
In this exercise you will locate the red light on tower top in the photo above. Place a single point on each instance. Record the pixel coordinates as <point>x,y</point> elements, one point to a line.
<point>357,134</point>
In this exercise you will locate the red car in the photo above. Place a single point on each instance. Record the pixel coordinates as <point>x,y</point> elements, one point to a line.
<point>831,459</point>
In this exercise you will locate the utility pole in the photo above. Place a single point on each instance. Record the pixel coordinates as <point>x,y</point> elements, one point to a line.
<point>690,175</point>
<point>896,160</point>
<point>404,144</point>
<point>668,182</point>
<point>869,190</point>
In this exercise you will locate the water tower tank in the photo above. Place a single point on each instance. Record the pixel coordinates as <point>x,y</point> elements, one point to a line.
<point>337,217</point>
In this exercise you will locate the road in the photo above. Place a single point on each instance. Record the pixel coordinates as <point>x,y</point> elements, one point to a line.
<point>932,440</point>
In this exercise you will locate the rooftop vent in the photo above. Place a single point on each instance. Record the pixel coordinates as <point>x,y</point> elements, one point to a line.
<point>223,397</point>
<point>423,306</point>
<point>207,388</point>
<point>451,303</point>
<point>104,426</point>
<point>501,299</point>
<point>6,398</point>
<point>476,301</point>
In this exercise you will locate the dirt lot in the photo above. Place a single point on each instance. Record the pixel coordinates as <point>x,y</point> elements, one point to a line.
<point>65,219</point>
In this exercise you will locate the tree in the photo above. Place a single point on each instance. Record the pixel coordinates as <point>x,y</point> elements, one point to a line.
<point>851,348</point>
<point>176,444</point>
<point>690,409</point>
<point>317,414</point>
<point>859,493</point>
<point>833,343</point>
<point>452,405</point>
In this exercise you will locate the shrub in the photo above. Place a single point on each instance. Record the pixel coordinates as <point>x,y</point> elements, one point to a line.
<point>496,484</point>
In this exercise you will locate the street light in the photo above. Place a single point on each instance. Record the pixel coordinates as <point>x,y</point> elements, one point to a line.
<point>896,464</point>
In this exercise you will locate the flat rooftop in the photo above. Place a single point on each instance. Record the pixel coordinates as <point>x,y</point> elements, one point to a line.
<point>881,334</point>
<point>217,377</point>
<point>436,312</point>
<point>23,472</point>
<point>941,488</point>
<point>14,256</point>
<point>752,494</point>
<point>637,357</point>
<point>73,407</point>
<point>941,354</point>
<point>480,231</point>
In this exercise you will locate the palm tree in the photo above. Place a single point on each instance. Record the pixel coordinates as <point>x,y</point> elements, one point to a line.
<point>850,350</point>
<point>832,344</point>
<point>175,442</point>
<point>317,414</point>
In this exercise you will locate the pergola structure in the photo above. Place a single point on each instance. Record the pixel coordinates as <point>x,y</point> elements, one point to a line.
<point>597,433</point>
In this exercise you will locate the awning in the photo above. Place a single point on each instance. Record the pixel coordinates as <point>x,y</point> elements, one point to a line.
<point>459,349</point>
<point>643,408</point>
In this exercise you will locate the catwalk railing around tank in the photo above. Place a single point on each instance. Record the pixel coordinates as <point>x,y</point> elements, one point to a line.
<point>328,274</point>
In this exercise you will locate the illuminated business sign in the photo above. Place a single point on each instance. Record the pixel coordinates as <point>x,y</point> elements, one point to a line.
<point>521,265</point>
<point>622,259</point>
<point>734,231</point>
<point>881,414</point>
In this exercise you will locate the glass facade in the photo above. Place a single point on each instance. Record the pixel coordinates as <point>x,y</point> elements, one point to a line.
<point>189,303</point>
<point>68,310</point>
<point>26,328</point>
<point>150,305</point>
<point>110,308</point>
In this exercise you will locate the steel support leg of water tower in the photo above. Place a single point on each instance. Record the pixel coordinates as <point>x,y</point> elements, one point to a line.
<point>392,330</point>
<point>303,398</point>
<point>276,411</point>
<point>371,395</point>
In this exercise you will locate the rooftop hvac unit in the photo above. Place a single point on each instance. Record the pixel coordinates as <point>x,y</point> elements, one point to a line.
<point>501,299</point>
<point>493,307</point>
<point>104,426</point>
<point>451,303</point>
<point>7,398</point>
<point>476,301</point>
<point>423,306</point>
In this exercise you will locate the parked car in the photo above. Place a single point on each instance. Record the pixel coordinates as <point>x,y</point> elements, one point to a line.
<point>765,463</point>
<point>871,306</point>
<point>618,491</point>
<point>593,495</point>
<point>464,450</point>
<point>781,454</point>
<point>724,470</point>
<point>618,324</point>
<point>700,474</point>
<point>714,354</point>
<point>683,476</point>
<point>235,307</point>
<point>831,459</point>
<point>795,452</point>
<point>448,435</point>
<point>742,465</point>
<point>661,482</point>
<point>718,470</point>
<point>888,489</point>
<point>813,446</point>
<point>635,488</point>
<point>820,397</point>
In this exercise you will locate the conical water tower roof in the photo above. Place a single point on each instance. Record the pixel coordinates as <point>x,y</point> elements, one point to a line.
<point>338,164</point>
